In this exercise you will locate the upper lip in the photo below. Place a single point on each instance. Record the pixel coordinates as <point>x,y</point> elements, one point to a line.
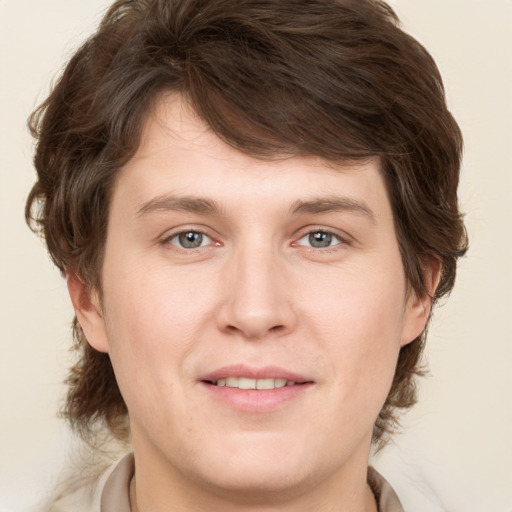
<point>265,372</point>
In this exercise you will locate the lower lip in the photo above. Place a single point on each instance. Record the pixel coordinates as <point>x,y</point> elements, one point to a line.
<point>257,400</point>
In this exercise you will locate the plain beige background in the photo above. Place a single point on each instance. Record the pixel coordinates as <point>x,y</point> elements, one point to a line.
<point>456,452</point>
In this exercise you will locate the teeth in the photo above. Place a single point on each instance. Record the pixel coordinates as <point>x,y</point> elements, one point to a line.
<point>232,382</point>
<point>265,384</point>
<point>246,383</point>
<point>280,383</point>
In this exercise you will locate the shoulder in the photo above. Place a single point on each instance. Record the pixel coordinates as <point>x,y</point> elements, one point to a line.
<point>116,493</point>
<point>385,496</point>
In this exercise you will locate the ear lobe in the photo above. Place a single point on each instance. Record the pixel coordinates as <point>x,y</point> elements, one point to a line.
<point>418,307</point>
<point>88,312</point>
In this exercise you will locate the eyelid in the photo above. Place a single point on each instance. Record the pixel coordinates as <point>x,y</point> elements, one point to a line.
<point>342,236</point>
<point>205,241</point>
<point>166,238</point>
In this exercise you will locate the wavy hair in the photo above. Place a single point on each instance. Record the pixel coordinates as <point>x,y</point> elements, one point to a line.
<point>337,79</point>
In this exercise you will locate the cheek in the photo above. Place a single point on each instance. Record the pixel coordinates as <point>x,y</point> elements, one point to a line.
<point>359,320</point>
<point>153,319</point>
<point>363,307</point>
<point>146,299</point>
<point>143,349</point>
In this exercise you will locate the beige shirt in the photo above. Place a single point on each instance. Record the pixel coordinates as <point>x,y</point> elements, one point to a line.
<point>116,493</point>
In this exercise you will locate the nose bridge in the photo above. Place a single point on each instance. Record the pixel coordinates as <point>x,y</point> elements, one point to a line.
<point>256,301</point>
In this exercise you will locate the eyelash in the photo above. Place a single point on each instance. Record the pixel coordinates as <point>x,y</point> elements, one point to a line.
<point>344,241</point>
<point>170,238</point>
<point>341,241</point>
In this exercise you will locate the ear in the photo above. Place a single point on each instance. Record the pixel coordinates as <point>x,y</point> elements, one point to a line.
<point>418,307</point>
<point>87,308</point>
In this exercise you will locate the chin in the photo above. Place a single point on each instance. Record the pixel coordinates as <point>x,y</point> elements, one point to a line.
<point>259,482</point>
<point>267,467</point>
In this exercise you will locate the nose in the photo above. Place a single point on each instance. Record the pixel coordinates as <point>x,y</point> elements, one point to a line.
<point>256,301</point>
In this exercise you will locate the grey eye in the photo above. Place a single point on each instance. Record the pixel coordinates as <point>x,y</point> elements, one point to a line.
<point>319,240</point>
<point>190,240</point>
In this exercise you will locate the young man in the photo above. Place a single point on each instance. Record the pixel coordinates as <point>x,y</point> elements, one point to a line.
<point>254,204</point>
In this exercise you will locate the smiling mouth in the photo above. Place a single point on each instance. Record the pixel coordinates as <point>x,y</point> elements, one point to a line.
<point>256,390</point>
<point>248,383</point>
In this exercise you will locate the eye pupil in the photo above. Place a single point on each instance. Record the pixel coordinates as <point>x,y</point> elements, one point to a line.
<point>320,239</point>
<point>191,240</point>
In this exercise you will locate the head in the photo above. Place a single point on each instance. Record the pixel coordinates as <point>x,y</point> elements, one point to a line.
<point>331,81</point>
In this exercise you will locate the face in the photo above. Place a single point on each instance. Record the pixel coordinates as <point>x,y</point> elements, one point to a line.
<point>253,310</point>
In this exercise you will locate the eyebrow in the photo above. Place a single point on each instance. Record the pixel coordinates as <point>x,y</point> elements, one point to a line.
<point>210,207</point>
<point>180,203</point>
<point>333,204</point>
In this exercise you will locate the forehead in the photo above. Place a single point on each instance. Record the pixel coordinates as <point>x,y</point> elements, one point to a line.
<point>180,154</point>
<point>172,122</point>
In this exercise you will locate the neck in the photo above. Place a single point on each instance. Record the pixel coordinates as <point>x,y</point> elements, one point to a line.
<point>370,502</point>
<point>157,489</point>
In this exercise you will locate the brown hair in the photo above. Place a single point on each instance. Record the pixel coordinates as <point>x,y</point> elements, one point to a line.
<point>331,78</point>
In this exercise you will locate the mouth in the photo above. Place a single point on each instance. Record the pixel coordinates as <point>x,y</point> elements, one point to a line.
<point>254,390</point>
<point>249,383</point>
<point>246,377</point>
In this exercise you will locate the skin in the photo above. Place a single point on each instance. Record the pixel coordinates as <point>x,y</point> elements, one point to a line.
<point>259,291</point>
